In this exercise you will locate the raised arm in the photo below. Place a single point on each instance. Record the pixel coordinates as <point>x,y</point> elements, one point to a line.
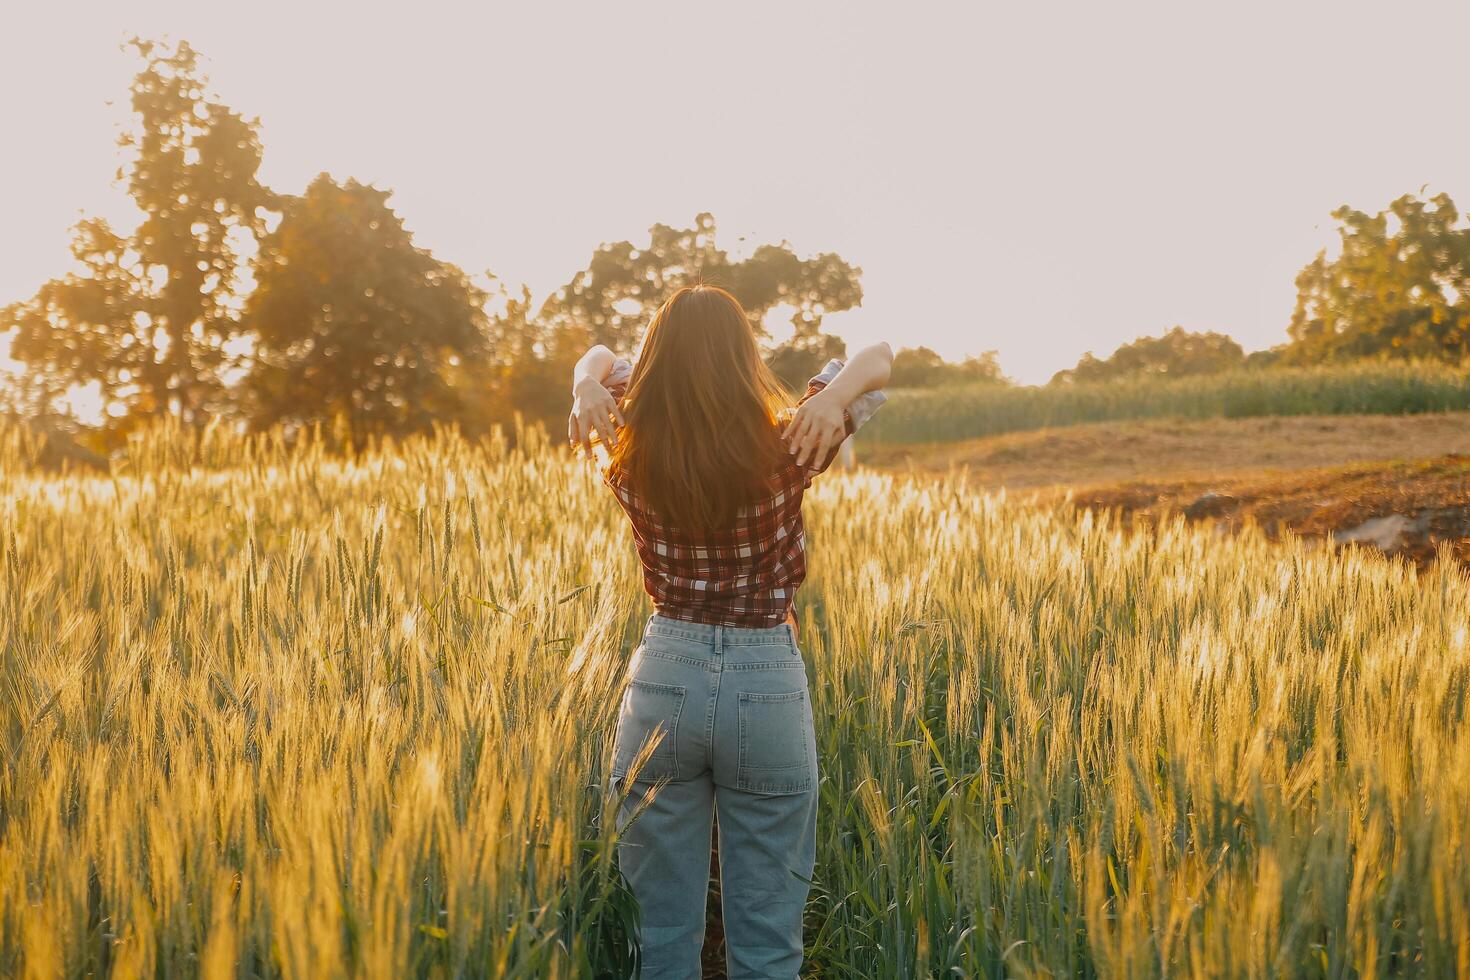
<point>594,409</point>
<point>821,423</point>
<point>865,371</point>
<point>595,365</point>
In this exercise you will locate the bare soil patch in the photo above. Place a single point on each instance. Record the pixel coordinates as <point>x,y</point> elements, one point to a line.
<point>1413,510</point>
<point>1396,484</point>
<point>1116,452</point>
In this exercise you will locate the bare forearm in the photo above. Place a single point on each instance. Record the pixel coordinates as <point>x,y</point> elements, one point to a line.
<point>865,371</point>
<point>595,365</point>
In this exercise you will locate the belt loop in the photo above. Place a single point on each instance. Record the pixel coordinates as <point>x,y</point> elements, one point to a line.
<point>719,638</point>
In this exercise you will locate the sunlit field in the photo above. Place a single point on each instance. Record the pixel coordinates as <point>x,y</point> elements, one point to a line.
<point>266,712</point>
<point>1365,388</point>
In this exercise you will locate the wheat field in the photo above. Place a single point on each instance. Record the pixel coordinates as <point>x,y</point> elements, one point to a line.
<point>270,712</point>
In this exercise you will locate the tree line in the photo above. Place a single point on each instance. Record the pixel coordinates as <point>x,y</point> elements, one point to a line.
<point>1398,290</point>
<point>233,299</point>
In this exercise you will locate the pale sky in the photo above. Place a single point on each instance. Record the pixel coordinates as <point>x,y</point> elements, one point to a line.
<point>1041,179</point>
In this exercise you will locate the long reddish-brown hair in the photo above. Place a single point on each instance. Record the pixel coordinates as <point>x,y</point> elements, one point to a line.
<point>701,437</point>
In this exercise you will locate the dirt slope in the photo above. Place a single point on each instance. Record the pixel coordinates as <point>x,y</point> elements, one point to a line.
<point>1113,452</point>
<point>1408,509</point>
<point>1398,484</point>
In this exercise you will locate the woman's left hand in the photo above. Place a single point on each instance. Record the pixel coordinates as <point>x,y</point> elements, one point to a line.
<point>594,409</point>
<point>819,427</point>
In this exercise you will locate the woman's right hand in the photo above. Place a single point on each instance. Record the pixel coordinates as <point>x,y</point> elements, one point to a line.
<point>594,409</point>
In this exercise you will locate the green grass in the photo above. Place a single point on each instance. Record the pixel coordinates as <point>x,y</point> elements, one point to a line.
<point>969,412</point>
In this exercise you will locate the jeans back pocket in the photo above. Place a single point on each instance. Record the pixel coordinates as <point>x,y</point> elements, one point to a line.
<point>649,711</point>
<point>775,753</point>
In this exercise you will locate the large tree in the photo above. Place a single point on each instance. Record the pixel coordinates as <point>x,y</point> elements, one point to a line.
<point>920,367</point>
<point>1399,289</point>
<point>797,360</point>
<point>1178,353</point>
<point>528,371</point>
<point>354,321</point>
<point>612,299</point>
<point>148,316</point>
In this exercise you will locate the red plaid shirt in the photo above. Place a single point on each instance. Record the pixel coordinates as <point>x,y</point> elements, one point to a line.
<point>746,575</point>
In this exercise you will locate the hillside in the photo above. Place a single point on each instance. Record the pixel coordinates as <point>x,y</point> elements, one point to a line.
<point>1400,484</point>
<point>1406,509</point>
<point>1106,452</point>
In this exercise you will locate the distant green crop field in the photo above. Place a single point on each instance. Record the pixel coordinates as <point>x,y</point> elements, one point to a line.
<point>949,414</point>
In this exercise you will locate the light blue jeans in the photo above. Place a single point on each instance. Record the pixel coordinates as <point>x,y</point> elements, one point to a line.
<point>733,722</point>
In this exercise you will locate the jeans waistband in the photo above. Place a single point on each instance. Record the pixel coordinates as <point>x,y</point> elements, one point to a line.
<point>728,635</point>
